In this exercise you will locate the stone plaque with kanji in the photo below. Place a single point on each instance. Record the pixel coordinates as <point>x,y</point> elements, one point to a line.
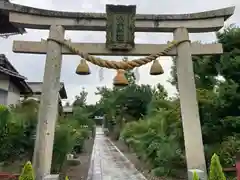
<point>120,27</point>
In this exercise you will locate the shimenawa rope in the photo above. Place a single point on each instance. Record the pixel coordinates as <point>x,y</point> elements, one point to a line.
<point>118,64</point>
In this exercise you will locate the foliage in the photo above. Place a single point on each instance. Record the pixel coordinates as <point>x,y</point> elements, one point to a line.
<point>129,74</point>
<point>153,141</point>
<point>81,100</point>
<point>216,172</point>
<point>27,172</point>
<point>227,150</point>
<point>71,132</point>
<point>82,117</point>
<point>195,176</point>
<point>67,134</point>
<point>18,130</point>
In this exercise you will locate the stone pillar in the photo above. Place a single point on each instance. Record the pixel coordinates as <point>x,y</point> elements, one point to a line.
<point>48,110</point>
<point>189,105</point>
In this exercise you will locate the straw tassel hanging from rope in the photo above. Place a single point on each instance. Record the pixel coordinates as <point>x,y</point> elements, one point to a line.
<point>83,68</point>
<point>120,79</point>
<point>156,68</point>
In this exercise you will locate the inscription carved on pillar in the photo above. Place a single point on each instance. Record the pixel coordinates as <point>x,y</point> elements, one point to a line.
<point>120,27</point>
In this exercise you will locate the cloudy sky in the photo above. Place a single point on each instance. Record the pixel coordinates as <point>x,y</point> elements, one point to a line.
<point>32,66</point>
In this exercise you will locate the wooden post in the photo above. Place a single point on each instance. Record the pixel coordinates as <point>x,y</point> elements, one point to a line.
<point>48,109</point>
<point>189,105</point>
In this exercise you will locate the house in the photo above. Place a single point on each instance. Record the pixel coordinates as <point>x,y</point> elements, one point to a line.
<point>67,110</point>
<point>12,84</point>
<point>37,91</point>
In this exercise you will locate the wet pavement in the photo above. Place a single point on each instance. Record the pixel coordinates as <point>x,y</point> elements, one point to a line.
<point>109,163</point>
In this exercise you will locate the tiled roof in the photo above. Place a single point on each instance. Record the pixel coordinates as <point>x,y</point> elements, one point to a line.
<point>7,68</point>
<point>37,89</point>
<point>8,28</point>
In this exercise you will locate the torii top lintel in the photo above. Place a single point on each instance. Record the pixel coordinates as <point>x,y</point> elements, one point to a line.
<point>34,18</point>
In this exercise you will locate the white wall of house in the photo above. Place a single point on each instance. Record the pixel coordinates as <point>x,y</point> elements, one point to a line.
<point>4,83</point>
<point>3,97</point>
<point>9,93</point>
<point>13,94</point>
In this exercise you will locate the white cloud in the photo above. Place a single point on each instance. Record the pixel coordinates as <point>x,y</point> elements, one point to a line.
<point>32,66</point>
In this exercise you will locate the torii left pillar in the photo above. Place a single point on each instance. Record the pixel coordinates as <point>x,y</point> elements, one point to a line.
<point>48,109</point>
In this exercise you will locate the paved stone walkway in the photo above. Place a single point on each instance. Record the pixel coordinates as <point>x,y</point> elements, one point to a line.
<point>108,163</point>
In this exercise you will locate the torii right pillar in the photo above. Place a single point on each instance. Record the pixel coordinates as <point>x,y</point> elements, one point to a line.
<point>194,148</point>
<point>189,106</point>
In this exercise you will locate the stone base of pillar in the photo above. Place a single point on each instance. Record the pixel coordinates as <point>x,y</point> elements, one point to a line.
<point>51,177</point>
<point>201,174</point>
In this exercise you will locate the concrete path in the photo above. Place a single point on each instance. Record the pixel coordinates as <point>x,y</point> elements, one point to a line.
<point>108,162</point>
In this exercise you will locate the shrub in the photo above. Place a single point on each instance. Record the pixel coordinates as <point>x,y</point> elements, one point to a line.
<point>154,142</point>
<point>195,176</point>
<point>64,141</point>
<point>69,137</point>
<point>27,172</point>
<point>18,133</point>
<point>227,150</point>
<point>216,172</point>
<point>4,118</point>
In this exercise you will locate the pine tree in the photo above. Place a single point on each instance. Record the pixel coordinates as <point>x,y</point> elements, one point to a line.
<point>195,176</point>
<point>216,172</point>
<point>27,172</point>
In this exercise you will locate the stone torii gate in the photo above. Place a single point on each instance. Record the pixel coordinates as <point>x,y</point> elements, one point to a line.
<point>117,44</point>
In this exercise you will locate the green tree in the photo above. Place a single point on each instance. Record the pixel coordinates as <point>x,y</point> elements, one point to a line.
<point>195,176</point>
<point>129,74</point>
<point>216,172</point>
<point>152,121</point>
<point>81,99</point>
<point>27,172</point>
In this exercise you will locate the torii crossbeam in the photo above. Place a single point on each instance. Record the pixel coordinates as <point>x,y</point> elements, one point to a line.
<point>196,48</point>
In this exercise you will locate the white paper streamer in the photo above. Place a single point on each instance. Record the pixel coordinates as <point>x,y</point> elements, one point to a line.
<point>137,74</point>
<point>101,77</point>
